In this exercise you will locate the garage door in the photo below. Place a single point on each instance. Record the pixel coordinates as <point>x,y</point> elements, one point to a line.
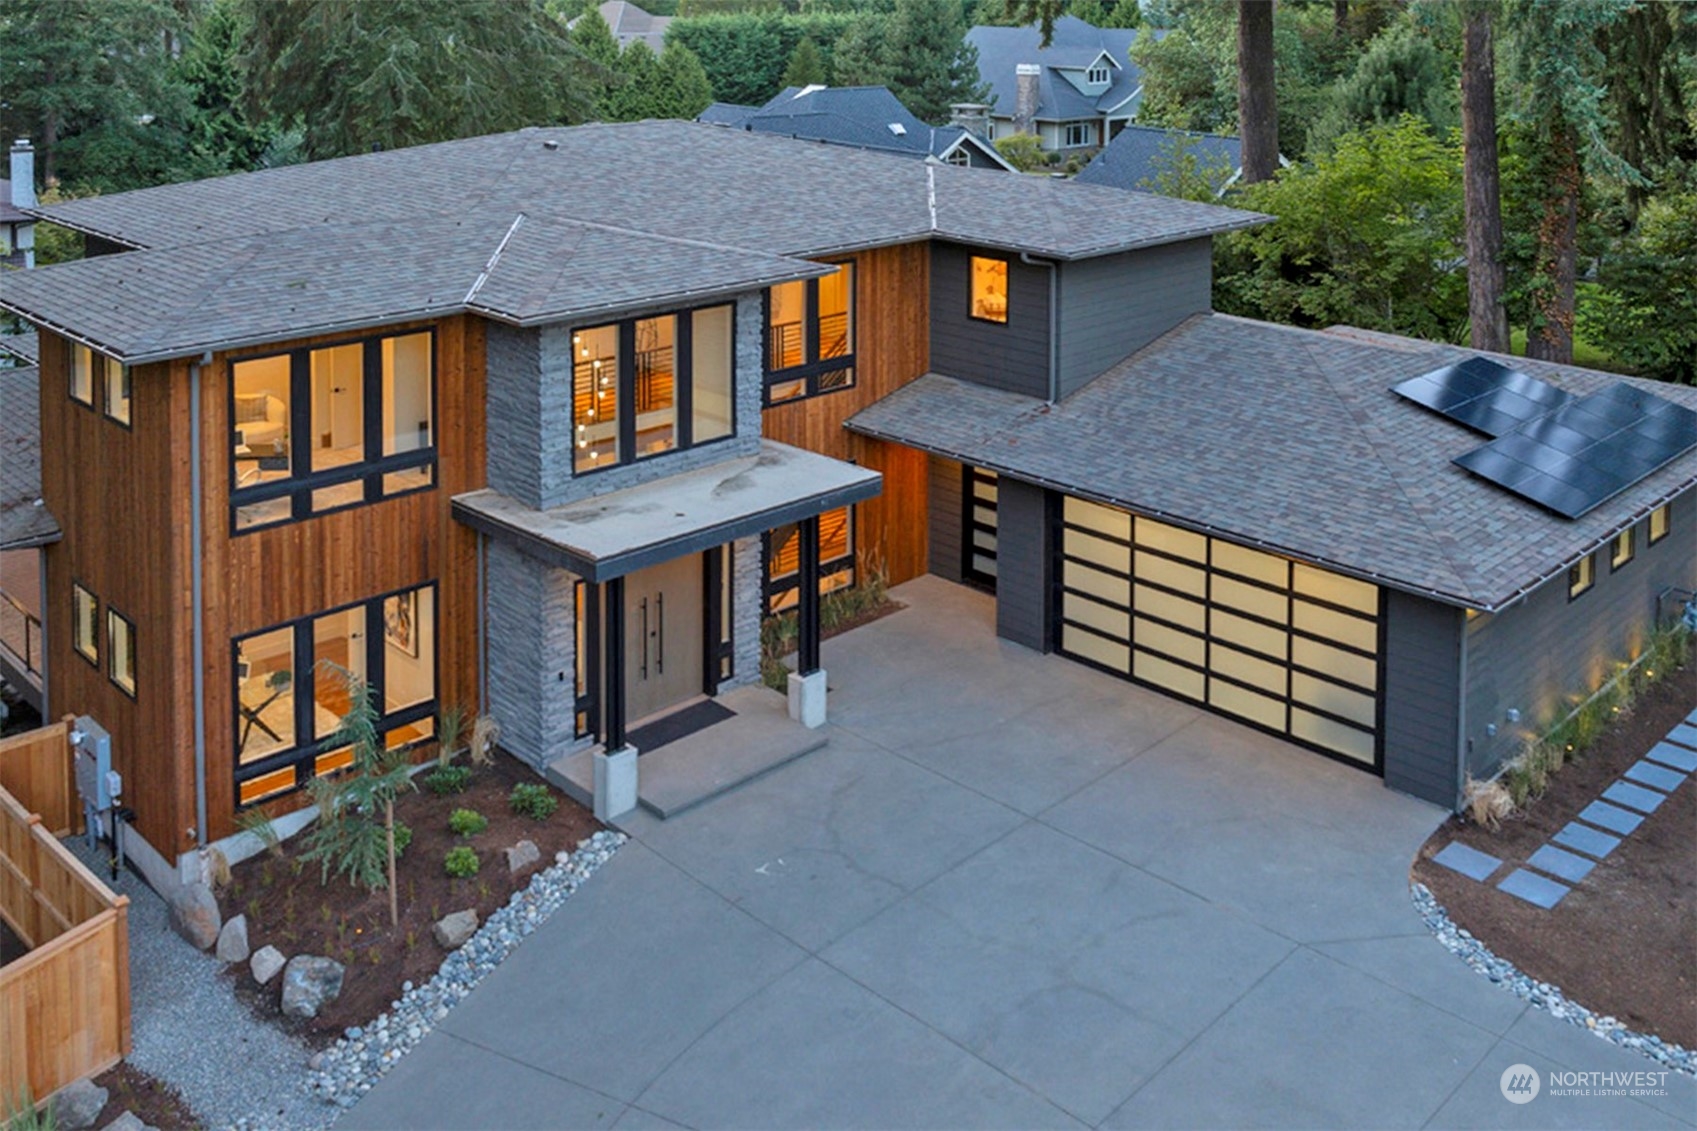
<point>1283,645</point>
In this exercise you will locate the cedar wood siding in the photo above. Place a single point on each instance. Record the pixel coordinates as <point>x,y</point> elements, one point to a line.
<point>891,349</point>
<point>121,498</point>
<point>1014,355</point>
<point>1114,305</point>
<point>946,480</point>
<point>1422,689</point>
<point>1545,655</point>
<point>1024,562</point>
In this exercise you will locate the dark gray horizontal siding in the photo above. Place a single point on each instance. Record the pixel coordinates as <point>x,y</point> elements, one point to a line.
<point>1542,656</point>
<point>1013,356</point>
<point>1023,561</point>
<point>1113,306</point>
<point>943,498</point>
<point>1422,697</point>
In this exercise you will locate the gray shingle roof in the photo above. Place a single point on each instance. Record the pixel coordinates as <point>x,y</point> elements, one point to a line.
<point>25,347</point>
<point>1136,159</point>
<point>860,116</point>
<point>22,522</point>
<point>404,234</point>
<point>1076,44</point>
<point>1290,439</point>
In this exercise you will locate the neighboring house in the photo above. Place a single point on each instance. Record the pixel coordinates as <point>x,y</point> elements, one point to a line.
<point>1149,159</point>
<point>17,196</point>
<point>628,23</point>
<point>476,452</point>
<point>1075,94</point>
<point>865,117</point>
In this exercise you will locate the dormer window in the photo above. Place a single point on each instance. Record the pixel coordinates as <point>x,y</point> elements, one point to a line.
<point>1097,76</point>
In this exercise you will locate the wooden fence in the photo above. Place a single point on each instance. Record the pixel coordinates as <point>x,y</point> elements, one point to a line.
<point>64,1006</point>
<point>35,768</point>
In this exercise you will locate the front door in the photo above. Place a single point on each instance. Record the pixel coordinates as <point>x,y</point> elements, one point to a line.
<point>663,637</point>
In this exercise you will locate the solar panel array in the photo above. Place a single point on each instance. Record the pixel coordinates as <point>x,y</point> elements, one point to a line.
<point>1564,453</point>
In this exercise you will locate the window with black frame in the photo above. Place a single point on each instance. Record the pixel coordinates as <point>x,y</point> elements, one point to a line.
<point>290,692</point>
<point>810,336</point>
<point>783,559</point>
<point>316,430</point>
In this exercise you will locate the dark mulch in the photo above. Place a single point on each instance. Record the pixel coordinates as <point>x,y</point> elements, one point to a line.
<point>1622,942</point>
<point>153,1101</point>
<point>288,907</point>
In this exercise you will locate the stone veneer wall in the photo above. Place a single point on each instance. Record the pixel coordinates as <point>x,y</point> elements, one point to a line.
<point>515,416</point>
<point>747,576</point>
<point>531,644</point>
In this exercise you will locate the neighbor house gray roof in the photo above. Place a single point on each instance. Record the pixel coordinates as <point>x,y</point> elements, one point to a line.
<point>23,520</point>
<point>1289,439</point>
<point>1076,45</point>
<point>866,117</point>
<point>1139,155</point>
<point>611,214</point>
<point>9,212</point>
<point>26,347</point>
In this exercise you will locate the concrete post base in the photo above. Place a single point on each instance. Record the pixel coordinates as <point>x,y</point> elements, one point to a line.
<point>615,782</point>
<point>807,698</point>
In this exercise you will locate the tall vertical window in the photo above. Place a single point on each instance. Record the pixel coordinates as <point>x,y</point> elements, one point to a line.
<point>1624,547</point>
<point>989,289</point>
<point>810,336</point>
<point>82,374</point>
<point>1659,524</point>
<point>116,378</point>
<point>121,652</point>
<point>85,624</point>
<point>783,559</point>
<point>1581,575</point>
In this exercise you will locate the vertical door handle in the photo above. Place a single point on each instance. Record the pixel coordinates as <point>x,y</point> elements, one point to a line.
<point>660,653</point>
<point>644,671</point>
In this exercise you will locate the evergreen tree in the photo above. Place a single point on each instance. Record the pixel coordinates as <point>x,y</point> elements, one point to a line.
<point>682,89</point>
<point>926,60</point>
<point>858,59</point>
<point>807,66</point>
<point>222,128</point>
<point>633,97</point>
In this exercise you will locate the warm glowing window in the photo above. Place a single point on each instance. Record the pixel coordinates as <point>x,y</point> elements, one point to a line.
<point>85,623</point>
<point>1580,576</point>
<point>810,336</point>
<point>82,374</point>
<point>1658,524</point>
<point>595,397</point>
<point>117,380</point>
<point>121,651</point>
<point>783,559</point>
<point>989,289</point>
<point>1625,546</point>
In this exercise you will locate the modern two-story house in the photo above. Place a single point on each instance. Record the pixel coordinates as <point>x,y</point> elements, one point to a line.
<point>492,447</point>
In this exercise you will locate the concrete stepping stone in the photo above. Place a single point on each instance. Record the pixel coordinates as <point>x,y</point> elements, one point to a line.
<point>1533,888</point>
<point>1634,796</point>
<point>1676,756</point>
<point>1654,776</point>
<point>1584,838</point>
<point>1470,862</point>
<point>1562,865</point>
<point>1611,817</point>
<point>1685,734</point>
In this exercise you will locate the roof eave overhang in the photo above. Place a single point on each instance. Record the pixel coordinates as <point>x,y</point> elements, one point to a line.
<point>85,229</point>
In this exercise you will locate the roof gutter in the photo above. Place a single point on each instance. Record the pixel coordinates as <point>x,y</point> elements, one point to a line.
<point>1054,323</point>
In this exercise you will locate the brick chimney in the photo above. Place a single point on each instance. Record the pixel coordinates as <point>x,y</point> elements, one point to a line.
<point>1026,77</point>
<point>973,117</point>
<point>23,174</point>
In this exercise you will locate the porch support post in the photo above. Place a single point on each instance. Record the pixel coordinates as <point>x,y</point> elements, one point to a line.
<point>807,682</point>
<point>615,763</point>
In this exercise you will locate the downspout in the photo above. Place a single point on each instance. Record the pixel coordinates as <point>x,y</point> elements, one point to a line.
<point>197,598</point>
<point>482,624</point>
<point>1054,323</point>
<point>1462,769</point>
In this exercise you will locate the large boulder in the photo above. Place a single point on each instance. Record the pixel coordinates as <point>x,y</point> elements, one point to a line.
<point>78,1105</point>
<point>309,982</point>
<point>522,855</point>
<point>232,941</point>
<point>194,914</point>
<point>451,931</point>
<point>267,962</point>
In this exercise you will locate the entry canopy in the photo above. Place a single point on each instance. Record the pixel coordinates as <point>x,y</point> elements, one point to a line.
<point>607,536</point>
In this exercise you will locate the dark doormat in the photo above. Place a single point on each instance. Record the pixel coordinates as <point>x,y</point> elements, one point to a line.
<point>678,724</point>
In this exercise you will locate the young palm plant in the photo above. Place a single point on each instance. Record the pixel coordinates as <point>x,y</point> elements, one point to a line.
<point>355,832</point>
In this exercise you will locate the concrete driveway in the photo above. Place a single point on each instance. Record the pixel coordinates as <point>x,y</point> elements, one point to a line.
<point>1011,892</point>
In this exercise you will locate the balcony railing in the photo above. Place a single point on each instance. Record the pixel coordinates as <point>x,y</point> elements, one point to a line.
<point>20,632</point>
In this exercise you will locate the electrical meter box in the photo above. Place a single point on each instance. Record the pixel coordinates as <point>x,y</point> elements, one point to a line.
<point>96,783</point>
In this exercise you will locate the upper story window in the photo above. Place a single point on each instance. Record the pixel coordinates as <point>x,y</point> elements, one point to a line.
<point>1097,75</point>
<point>315,430</point>
<point>1624,547</point>
<point>121,651</point>
<point>1080,134</point>
<point>117,382</point>
<point>647,386</point>
<point>82,374</point>
<point>92,373</point>
<point>1659,524</point>
<point>810,336</point>
<point>989,289</point>
<point>1581,576</point>
<point>85,623</point>
<point>958,156</point>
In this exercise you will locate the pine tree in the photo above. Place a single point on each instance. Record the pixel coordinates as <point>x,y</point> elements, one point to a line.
<point>927,62</point>
<point>682,89</point>
<point>807,66</point>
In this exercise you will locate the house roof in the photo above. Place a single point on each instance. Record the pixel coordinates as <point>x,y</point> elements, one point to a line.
<point>24,521</point>
<point>1076,44</point>
<point>1288,439</point>
<point>421,232</point>
<point>9,213</point>
<point>1139,155</point>
<point>25,347</point>
<point>866,117</point>
<point>629,23</point>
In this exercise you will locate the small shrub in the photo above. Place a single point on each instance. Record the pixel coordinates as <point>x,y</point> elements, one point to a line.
<point>1488,803</point>
<point>530,799</point>
<point>450,733</point>
<point>256,823</point>
<point>467,822</point>
<point>460,862</point>
<point>403,837</point>
<point>447,779</point>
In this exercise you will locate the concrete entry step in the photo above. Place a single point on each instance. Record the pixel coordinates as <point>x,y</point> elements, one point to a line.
<point>699,767</point>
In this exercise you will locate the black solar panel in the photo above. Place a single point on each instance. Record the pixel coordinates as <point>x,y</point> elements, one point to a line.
<point>1587,451</point>
<point>1484,395</point>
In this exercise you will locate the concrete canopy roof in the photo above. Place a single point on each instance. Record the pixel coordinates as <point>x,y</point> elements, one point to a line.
<point>1288,439</point>
<point>607,536</point>
<point>24,522</point>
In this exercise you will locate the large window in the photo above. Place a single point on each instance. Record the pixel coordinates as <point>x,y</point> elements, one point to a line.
<point>810,336</point>
<point>85,624</point>
<point>989,289</point>
<point>1080,134</point>
<point>121,652</point>
<point>290,696</point>
<point>317,430</point>
<point>783,559</point>
<point>647,386</point>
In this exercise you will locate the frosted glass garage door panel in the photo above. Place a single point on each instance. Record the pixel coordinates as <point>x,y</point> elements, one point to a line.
<point>1098,551</point>
<point>1254,564</point>
<point>1089,646</point>
<point>1251,635</point>
<point>1092,516</point>
<point>1173,677</point>
<point>1250,669</point>
<point>1334,736</point>
<point>1335,662</point>
<point>985,490</point>
<point>1170,607</point>
<point>1329,697</point>
<point>984,565</point>
<point>1333,625</point>
<point>1174,575</point>
<point>1251,599</point>
<point>1172,540</point>
<point>984,514</point>
<point>1093,614</point>
<point>1346,591</point>
<point>1110,587</point>
<point>1245,704</point>
<point>1170,641</point>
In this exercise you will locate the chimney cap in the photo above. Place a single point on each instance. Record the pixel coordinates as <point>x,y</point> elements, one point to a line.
<point>22,145</point>
<point>1028,69</point>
